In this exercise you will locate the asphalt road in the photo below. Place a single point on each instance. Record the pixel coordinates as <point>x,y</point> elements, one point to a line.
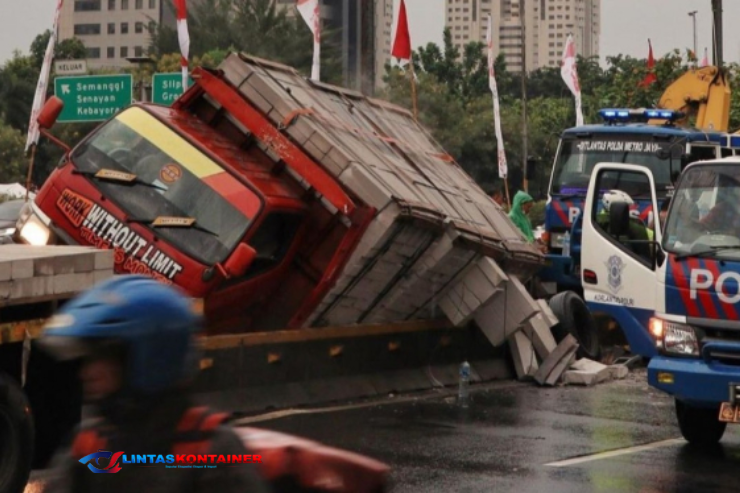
<point>615,437</point>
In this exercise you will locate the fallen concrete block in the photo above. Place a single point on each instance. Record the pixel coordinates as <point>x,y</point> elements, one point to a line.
<point>541,336</point>
<point>618,372</point>
<point>585,364</point>
<point>551,361</point>
<point>586,372</point>
<point>525,360</point>
<point>562,365</point>
<point>547,313</point>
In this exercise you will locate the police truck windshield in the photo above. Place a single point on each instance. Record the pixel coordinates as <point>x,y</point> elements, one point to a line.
<point>704,219</point>
<point>151,172</point>
<point>578,157</point>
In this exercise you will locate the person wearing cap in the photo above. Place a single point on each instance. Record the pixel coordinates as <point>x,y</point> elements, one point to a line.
<point>135,340</point>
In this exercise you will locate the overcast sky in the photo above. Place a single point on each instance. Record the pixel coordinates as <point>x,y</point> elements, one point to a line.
<point>626,25</point>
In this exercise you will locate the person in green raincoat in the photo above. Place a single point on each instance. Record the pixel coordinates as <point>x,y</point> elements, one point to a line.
<point>523,202</point>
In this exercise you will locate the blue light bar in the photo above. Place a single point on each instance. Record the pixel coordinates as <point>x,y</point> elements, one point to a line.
<point>615,115</point>
<point>662,114</point>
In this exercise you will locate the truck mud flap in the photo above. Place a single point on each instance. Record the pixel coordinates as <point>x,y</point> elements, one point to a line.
<point>265,371</point>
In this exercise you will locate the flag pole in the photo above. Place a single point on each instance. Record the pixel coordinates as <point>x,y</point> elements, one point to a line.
<point>414,102</point>
<point>506,187</point>
<point>30,170</point>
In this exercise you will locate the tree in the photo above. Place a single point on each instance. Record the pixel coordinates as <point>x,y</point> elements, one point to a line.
<point>256,27</point>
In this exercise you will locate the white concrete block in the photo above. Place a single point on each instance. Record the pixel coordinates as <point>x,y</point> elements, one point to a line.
<point>103,259</point>
<point>21,269</point>
<point>522,351</point>
<point>6,269</point>
<point>101,275</point>
<point>541,336</point>
<point>554,359</point>
<point>73,283</point>
<point>618,372</point>
<point>547,313</point>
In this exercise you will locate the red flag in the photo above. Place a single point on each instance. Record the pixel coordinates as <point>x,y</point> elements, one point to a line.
<point>650,77</point>
<point>184,38</point>
<point>402,43</point>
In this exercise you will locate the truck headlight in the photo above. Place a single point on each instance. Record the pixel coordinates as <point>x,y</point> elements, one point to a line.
<point>674,337</point>
<point>556,240</point>
<point>34,232</point>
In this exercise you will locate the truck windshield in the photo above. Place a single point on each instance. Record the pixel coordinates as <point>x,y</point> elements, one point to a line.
<point>704,218</point>
<point>171,177</point>
<point>578,157</point>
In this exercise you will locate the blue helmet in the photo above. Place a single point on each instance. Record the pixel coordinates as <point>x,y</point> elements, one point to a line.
<point>155,324</point>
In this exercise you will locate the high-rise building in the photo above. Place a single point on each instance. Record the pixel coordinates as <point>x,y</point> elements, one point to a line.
<point>114,30</point>
<point>111,30</point>
<point>547,24</point>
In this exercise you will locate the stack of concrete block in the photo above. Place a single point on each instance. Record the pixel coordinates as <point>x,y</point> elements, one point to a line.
<point>30,273</point>
<point>408,258</point>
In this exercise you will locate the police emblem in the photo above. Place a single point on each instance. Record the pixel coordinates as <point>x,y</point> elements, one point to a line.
<point>615,266</point>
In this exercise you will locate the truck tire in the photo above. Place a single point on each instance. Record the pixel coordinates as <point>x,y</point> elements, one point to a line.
<point>16,437</point>
<point>575,319</point>
<point>700,426</point>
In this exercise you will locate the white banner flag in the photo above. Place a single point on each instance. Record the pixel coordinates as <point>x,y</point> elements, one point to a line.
<point>503,168</point>
<point>183,38</point>
<point>40,97</point>
<point>569,73</point>
<point>310,11</point>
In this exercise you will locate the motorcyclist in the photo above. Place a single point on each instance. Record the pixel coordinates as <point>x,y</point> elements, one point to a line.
<point>135,340</point>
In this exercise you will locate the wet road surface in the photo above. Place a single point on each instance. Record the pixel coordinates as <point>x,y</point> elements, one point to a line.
<point>615,437</point>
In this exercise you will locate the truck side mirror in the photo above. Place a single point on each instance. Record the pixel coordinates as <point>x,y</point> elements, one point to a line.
<point>239,261</point>
<point>619,218</point>
<point>50,112</point>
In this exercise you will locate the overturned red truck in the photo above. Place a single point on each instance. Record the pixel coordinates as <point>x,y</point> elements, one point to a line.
<point>338,250</point>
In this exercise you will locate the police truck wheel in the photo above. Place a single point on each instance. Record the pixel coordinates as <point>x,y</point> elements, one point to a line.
<point>575,319</point>
<point>700,426</point>
<point>16,437</point>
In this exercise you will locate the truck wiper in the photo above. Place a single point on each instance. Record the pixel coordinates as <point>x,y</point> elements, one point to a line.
<point>713,250</point>
<point>171,222</point>
<point>117,177</point>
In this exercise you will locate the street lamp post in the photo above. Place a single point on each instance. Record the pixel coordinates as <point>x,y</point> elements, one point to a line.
<point>693,17</point>
<point>140,62</point>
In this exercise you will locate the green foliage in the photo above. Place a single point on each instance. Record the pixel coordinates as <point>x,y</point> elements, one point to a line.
<point>256,27</point>
<point>455,104</point>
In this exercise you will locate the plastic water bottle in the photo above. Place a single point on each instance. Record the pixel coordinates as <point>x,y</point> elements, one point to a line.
<point>566,244</point>
<point>463,390</point>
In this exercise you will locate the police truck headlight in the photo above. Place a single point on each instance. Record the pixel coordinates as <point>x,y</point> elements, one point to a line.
<point>34,232</point>
<point>556,240</point>
<point>674,337</point>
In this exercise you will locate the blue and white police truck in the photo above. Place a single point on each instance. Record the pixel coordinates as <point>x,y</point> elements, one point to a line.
<point>676,296</point>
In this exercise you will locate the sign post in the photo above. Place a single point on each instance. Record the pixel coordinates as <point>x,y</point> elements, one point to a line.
<point>166,87</point>
<point>70,67</point>
<point>94,97</point>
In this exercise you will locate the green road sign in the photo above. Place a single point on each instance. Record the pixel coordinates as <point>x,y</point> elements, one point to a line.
<point>167,87</point>
<point>94,97</point>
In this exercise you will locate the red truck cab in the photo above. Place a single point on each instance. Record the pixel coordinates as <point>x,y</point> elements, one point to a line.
<point>176,200</point>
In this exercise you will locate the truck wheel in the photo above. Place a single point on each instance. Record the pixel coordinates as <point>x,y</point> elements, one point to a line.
<point>575,319</point>
<point>700,426</point>
<point>16,437</point>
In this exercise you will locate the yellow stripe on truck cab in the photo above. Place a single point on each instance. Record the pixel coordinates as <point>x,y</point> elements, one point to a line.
<point>169,142</point>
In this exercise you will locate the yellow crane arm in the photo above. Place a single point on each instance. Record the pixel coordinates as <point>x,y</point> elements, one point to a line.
<point>703,92</point>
